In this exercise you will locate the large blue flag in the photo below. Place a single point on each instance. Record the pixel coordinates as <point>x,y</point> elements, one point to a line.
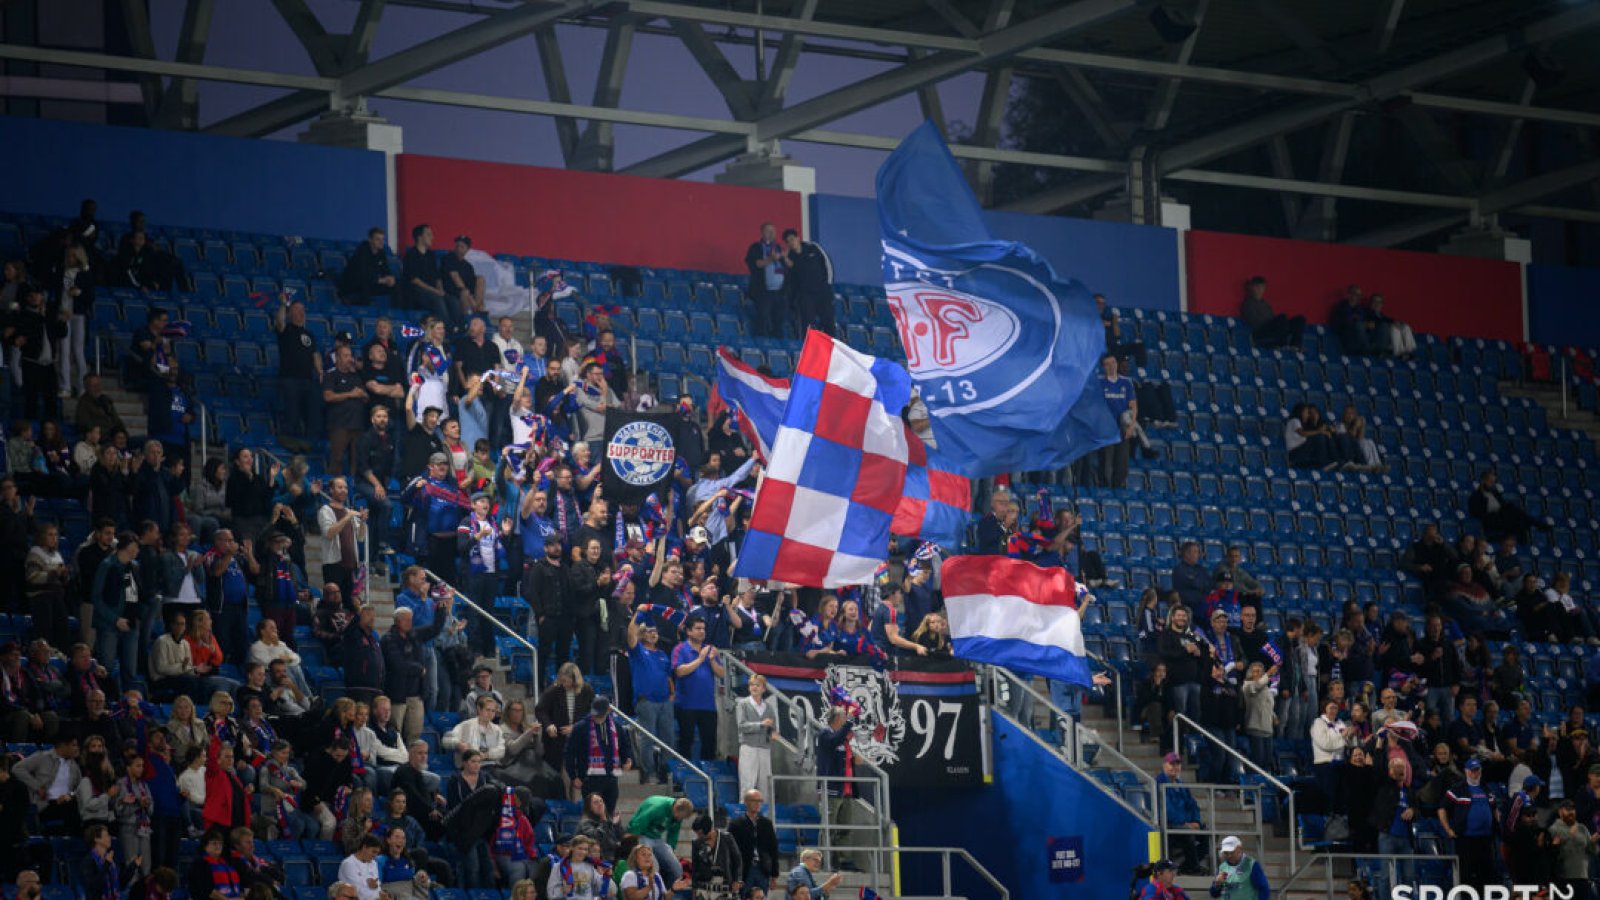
<point>1006,353</point>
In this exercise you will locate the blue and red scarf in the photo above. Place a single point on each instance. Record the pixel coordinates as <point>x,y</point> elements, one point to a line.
<point>506,841</point>
<point>605,758</point>
<point>224,877</point>
<point>288,804</point>
<point>676,616</point>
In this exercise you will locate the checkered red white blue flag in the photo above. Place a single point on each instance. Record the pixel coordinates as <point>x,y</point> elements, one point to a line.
<point>836,474</point>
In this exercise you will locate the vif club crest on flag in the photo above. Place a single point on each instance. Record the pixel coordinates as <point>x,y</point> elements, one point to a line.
<point>834,482</point>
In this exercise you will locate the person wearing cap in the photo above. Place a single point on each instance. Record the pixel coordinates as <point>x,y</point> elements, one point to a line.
<point>718,863</point>
<point>1574,847</point>
<point>1161,885</point>
<point>1183,813</point>
<point>437,502</point>
<point>651,674</point>
<point>1468,816</point>
<point>405,666</point>
<point>598,750</point>
<point>1521,835</point>
<point>1224,598</point>
<point>482,686</point>
<point>1239,877</point>
<point>423,437</point>
<point>461,281</point>
<point>713,487</point>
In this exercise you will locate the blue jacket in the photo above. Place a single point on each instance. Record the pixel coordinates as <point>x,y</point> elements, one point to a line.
<point>1181,806</point>
<point>439,503</point>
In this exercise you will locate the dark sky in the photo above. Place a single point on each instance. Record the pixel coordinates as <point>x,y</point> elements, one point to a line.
<point>661,77</point>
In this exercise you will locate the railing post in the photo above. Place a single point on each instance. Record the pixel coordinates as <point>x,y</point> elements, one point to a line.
<point>944,861</point>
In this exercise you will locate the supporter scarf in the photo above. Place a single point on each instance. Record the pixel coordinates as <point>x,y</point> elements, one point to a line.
<point>806,626</point>
<point>1224,648</point>
<point>436,358</point>
<point>685,406</point>
<point>109,875</point>
<point>358,765</point>
<point>506,842</point>
<point>1276,658</point>
<point>263,736</point>
<point>226,730</point>
<point>563,500</point>
<point>482,532</point>
<point>44,675</point>
<point>341,802</point>
<point>224,877</point>
<point>620,540</point>
<point>162,363</point>
<point>620,579</point>
<point>564,869</point>
<point>87,682</point>
<point>441,491</point>
<point>657,887</point>
<point>1045,520</point>
<point>676,616</point>
<point>288,804</point>
<point>1025,545</point>
<point>140,792</point>
<point>283,590</point>
<point>410,332</point>
<point>603,758</point>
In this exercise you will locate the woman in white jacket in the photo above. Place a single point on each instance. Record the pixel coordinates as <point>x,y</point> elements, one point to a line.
<point>482,733</point>
<point>1329,740</point>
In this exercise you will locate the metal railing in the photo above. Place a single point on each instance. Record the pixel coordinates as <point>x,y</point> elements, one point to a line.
<point>656,741</point>
<point>1213,831</point>
<point>1074,745</point>
<point>1391,863</point>
<point>946,871</point>
<point>1180,720</point>
<point>826,828</point>
<point>1116,687</point>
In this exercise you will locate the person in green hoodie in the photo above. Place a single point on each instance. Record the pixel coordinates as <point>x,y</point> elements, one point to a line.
<point>657,822</point>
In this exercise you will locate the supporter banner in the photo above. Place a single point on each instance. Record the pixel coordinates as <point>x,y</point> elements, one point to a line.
<point>919,718</point>
<point>639,452</point>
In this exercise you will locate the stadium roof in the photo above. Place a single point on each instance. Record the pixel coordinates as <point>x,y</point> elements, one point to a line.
<point>1169,89</point>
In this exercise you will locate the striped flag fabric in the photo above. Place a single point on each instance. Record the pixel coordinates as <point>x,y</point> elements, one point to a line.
<point>759,398</point>
<point>836,471</point>
<point>1011,613</point>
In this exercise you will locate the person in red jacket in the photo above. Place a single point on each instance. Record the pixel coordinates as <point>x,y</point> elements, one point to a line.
<point>227,799</point>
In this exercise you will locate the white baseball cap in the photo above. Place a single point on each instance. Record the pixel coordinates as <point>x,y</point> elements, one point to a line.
<point>1231,843</point>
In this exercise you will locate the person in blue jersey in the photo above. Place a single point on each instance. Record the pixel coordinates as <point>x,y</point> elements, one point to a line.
<point>1468,815</point>
<point>1122,400</point>
<point>438,502</point>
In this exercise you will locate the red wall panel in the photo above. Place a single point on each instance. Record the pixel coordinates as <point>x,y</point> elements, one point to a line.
<point>1435,294</point>
<point>560,214</point>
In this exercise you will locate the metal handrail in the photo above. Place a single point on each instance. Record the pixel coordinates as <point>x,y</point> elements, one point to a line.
<point>946,854</point>
<point>711,785</point>
<point>1116,684</point>
<point>732,664</point>
<point>1388,859</point>
<point>1106,789</point>
<point>1179,720</point>
<point>1073,755</point>
<point>825,826</point>
<point>1257,830</point>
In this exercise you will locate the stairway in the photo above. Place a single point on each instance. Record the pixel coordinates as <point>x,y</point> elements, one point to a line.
<point>1230,814</point>
<point>1549,397</point>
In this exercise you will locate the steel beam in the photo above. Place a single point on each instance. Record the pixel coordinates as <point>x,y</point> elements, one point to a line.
<point>1320,189</point>
<point>1388,21</point>
<point>398,68</point>
<point>1439,149</point>
<point>180,104</point>
<point>992,106</point>
<point>1083,94</point>
<point>778,76</point>
<point>1500,162</point>
<point>1407,231</point>
<point>887,85</point>
<point>309,32</point>
<point>1289,25</point>
<point>1320,218</point>
<point>724,77</point>
<point>1506,110</point>
<point>928,99</point>
<point>358,44</point>
<point>1160,109</point>
<point>947,11</point>
<point>137,16</point>
<point>1283,167</point>
<point>1538,187</point>
<point>556,87</point>
<point>597,146</point>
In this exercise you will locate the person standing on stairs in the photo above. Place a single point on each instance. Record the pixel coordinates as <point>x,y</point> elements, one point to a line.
<point>598,751</point>
<point>1239,877</point>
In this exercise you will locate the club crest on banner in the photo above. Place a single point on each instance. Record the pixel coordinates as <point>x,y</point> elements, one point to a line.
<point>641,453</point>
<point>964,350</point>
<point>881,725</point>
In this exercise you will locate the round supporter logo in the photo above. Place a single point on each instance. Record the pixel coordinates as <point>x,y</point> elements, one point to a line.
<point>641,453</point>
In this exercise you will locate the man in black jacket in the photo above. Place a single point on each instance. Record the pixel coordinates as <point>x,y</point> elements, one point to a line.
<point>808,285</point>
<point>1440,668</point>
<point>32,337</point>
<point>361,653</point>
<point>369,273</point>
<point>404,666</point>
<point>547,591</point>
<point>374,466</point>
<point>1499,515</point>
<point>758,843</point>
<point>768,261</point>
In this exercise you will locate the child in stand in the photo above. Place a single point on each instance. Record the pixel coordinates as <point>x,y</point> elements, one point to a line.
<point>192,788</point>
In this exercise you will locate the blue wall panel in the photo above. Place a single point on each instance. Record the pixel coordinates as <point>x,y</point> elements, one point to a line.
<point>1034,797</point>
<point>194,180</point>
<point>1564,306</point>
<point>1133,265</point>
